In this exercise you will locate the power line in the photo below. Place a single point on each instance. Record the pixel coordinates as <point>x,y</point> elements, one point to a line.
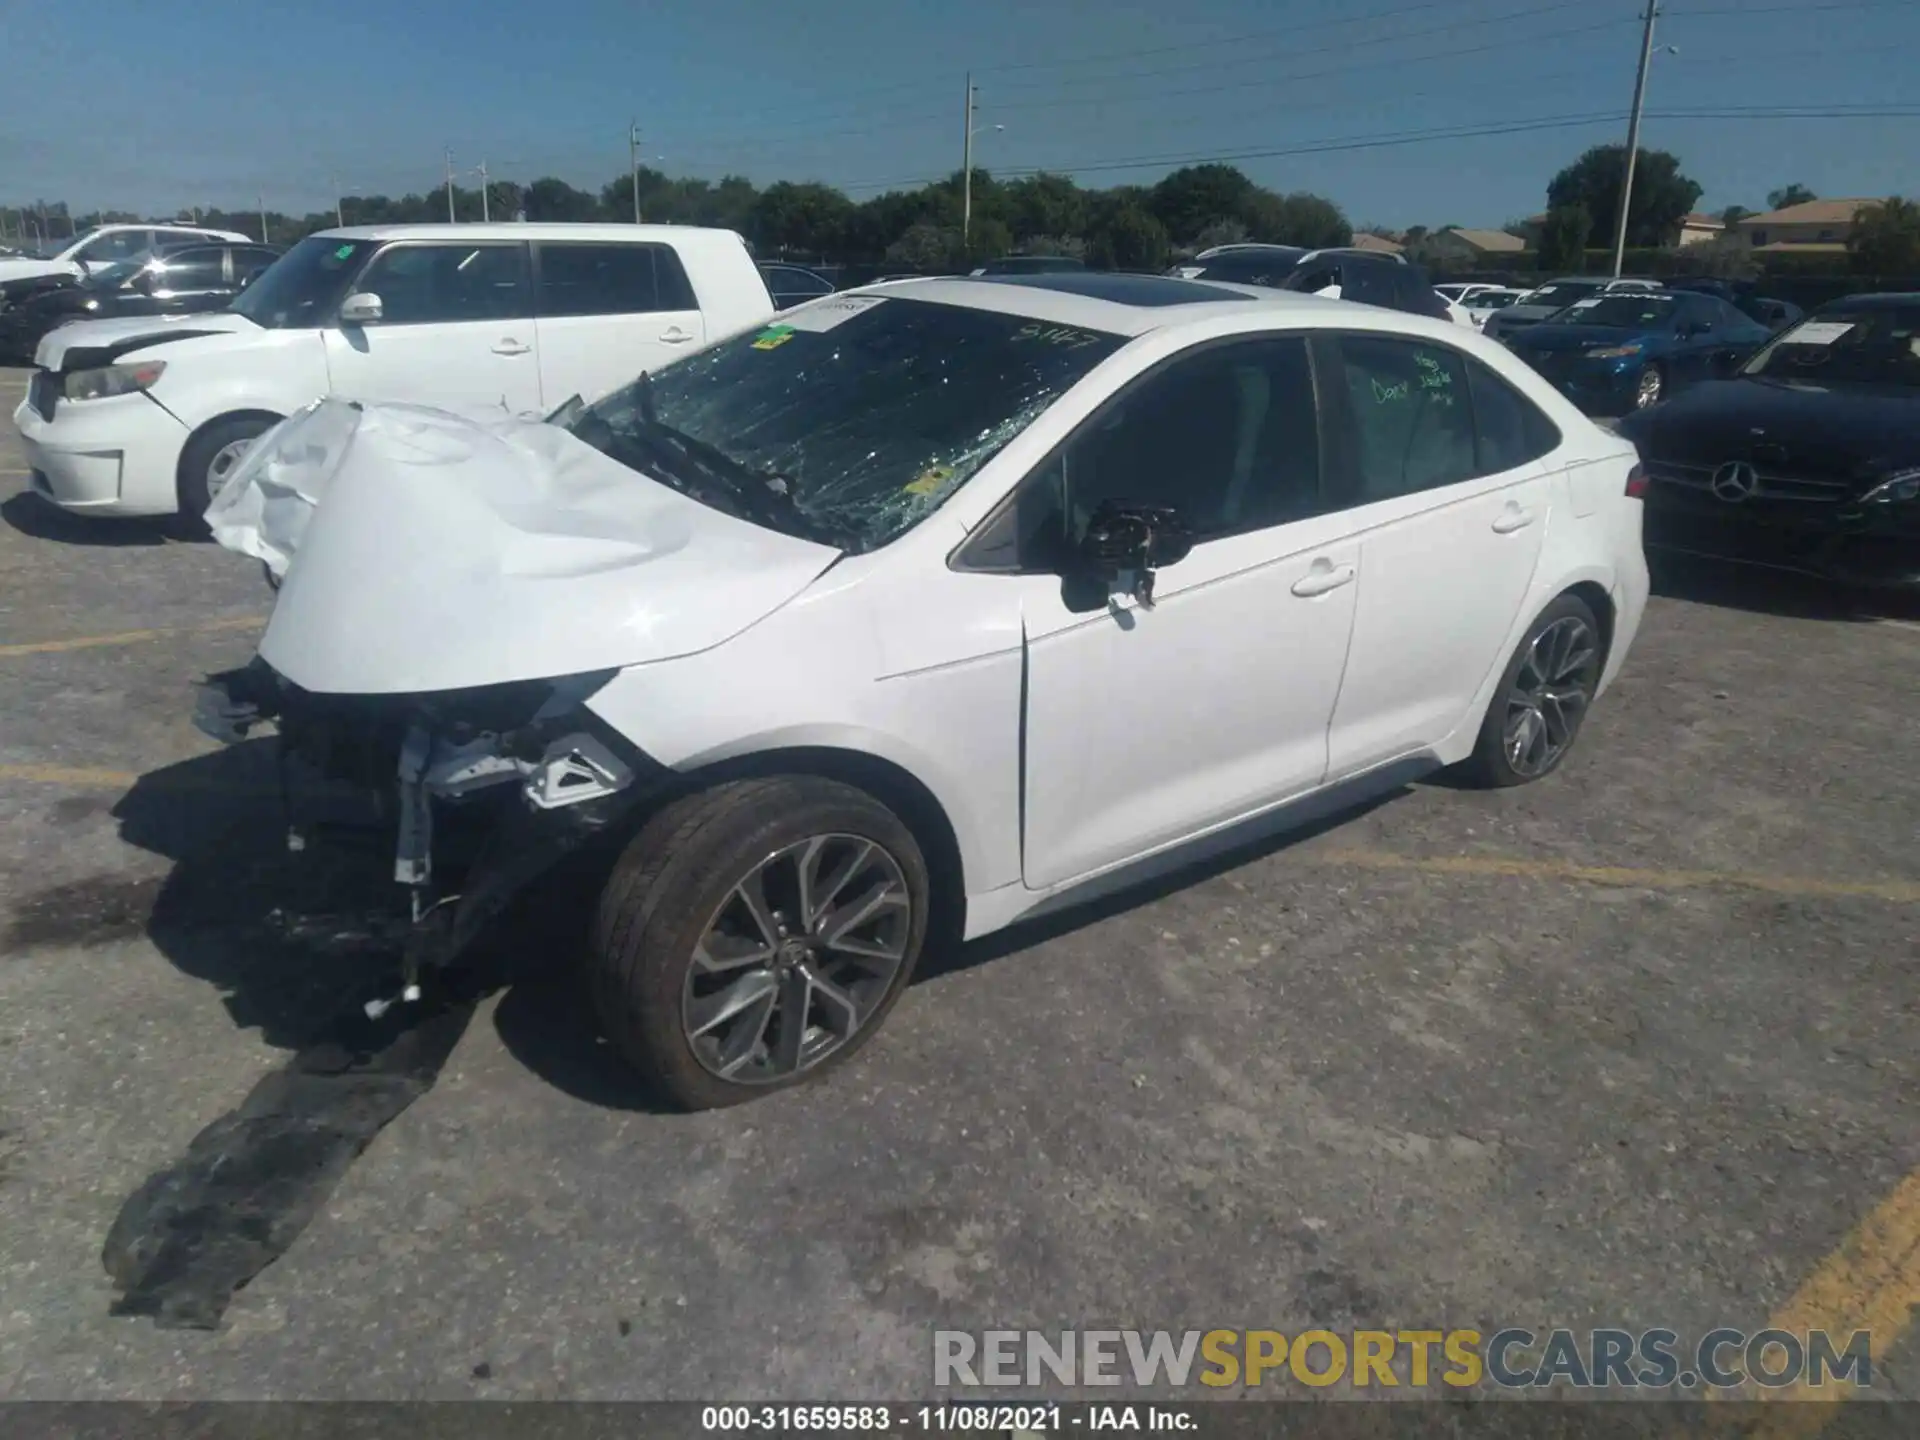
<point>1428,135</point>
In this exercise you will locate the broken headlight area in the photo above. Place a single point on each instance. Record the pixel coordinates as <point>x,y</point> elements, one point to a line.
<point>476,792</point>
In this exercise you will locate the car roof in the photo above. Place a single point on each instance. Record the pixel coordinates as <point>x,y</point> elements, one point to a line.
<point>1133,305</point>
<point>537,230</point>
<point>1878,300</point>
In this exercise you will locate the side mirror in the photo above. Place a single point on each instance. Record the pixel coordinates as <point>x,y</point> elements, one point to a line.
<point>1125,541</point>
<point>361,309</point>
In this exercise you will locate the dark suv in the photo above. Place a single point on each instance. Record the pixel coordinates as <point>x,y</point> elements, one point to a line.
<point>189,280</point>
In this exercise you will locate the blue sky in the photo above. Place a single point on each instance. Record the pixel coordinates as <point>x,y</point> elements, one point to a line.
<point>150,105</point>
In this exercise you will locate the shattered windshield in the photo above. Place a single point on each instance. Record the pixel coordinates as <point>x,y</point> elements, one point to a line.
<point>846,421</point>
<point>1878,346</point>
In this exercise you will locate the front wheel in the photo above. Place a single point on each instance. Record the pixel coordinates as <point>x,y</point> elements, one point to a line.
<point>754,936</point>
<point>209,460</point>
<point>1542,698</point>
<point>1648,389</point>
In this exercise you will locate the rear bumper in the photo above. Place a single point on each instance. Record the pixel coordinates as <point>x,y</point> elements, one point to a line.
<point>105,457</point>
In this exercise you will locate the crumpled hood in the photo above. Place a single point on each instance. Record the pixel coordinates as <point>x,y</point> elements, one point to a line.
<point>23,267</point>
<point>116,334</point>
<point>454,552</point>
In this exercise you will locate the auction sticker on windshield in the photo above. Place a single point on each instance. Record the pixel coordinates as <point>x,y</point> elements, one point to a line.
<point>823,315</point>
<point>1818,332</point>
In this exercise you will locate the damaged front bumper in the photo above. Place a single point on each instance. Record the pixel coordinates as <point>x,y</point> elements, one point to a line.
<point>478,792</point>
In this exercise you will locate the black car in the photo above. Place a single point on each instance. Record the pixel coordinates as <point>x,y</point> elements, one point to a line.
<point>791,285</point>
<point>1774,314</point>
<point>1362,275</point>
<point>1808,458</point>
<point>1031,265</point>
<point>191,280</point>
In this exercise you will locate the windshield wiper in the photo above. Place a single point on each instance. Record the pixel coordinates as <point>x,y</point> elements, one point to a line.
<point>768,494</point>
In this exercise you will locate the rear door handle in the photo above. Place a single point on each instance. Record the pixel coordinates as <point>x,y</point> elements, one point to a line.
<point>1321,578</point>
<point>675,336</point>
<point>511,346</point>
<point>1512,520</point>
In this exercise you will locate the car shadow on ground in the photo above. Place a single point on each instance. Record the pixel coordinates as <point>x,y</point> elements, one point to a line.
<point>39,519</point>
<point>296,942</point>
<point>1729,585</point>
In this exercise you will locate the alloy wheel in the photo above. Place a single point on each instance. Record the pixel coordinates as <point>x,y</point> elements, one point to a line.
<point>1647,392</point>
<point>797,958</point>
<point>1550,695</point>
<point>220,469</point>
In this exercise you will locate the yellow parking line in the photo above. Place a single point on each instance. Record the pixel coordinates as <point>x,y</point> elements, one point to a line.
<point>1900,892</point>
<point>131,637</point>
<point>1870,1282</point>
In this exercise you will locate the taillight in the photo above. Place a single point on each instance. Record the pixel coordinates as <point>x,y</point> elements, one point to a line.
<point>1636,483</point>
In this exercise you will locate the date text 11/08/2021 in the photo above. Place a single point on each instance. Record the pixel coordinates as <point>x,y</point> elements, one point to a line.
<point>936,1419</point>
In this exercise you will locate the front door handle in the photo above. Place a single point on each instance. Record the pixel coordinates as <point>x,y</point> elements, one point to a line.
<point>1321,578</point>
<point>511,346</point>
<point>675,336</point>
<point>1511,520</point>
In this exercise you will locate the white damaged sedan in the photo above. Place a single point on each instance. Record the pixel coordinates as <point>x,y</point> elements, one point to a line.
<point>919,611</point>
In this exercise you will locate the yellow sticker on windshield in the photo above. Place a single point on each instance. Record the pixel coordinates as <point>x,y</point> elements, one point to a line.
<point>773,337</point>
<point>929,480</point>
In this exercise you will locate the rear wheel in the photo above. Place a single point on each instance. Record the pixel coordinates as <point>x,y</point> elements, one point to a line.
<point>1542,699</point>
<point>755,935</point>
<point>209,460</point>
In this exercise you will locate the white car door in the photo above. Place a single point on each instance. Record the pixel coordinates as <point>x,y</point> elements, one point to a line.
<point>1449,519</point>
<point>1147,724</point>
<point>456,328</point>
<point>608,311</point>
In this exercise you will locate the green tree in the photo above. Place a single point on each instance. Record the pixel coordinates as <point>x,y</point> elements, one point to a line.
<point>1295,219</point>
<point>1196,196</point>
<point>1661,194</point>
<point>926,248</point>
<point>1128,237</point>
<point>809,218</point>
<point>988,239</point>
<point>1045,205</point>
<point>1563,239</point>
<point>551,199</point>
<point>1733,215</point>
<point>1795,194</point>
<point>1886,238</point>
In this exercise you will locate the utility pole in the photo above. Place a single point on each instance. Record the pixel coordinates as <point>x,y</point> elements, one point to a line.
<point>450,185</point>
<point>1633,141</point>
<point>486,209</point>
<point>339,205</point>
<point>633,165</point>
<point>966,168</point>
<point>265,239</point>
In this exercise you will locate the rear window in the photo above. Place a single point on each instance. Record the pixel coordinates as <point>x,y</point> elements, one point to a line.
<point>583,278</point>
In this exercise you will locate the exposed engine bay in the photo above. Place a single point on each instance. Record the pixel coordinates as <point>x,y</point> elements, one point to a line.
<point>477,792</point>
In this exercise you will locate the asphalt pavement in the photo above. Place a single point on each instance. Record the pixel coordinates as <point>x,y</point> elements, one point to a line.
<point>1635,1046</point>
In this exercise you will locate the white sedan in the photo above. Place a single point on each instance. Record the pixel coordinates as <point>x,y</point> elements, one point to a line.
<point>920,610</point>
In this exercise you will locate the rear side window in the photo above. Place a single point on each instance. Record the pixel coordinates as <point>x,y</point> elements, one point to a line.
<point>1509,429</point>
<point>197,269</point>
<point>1412,416</point>
<point>449,283</point>
<point>579,278</point>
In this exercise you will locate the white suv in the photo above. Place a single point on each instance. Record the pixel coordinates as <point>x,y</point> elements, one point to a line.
<point>148,416</point>
<point>110,245</point>
<point>926,608</point>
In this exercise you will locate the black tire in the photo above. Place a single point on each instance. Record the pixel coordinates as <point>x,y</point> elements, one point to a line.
<point>672,881</point>
<point>1492,764</point>
<point>198,456</point>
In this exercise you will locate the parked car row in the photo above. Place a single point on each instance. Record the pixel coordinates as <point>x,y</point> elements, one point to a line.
<point>539,496</point>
